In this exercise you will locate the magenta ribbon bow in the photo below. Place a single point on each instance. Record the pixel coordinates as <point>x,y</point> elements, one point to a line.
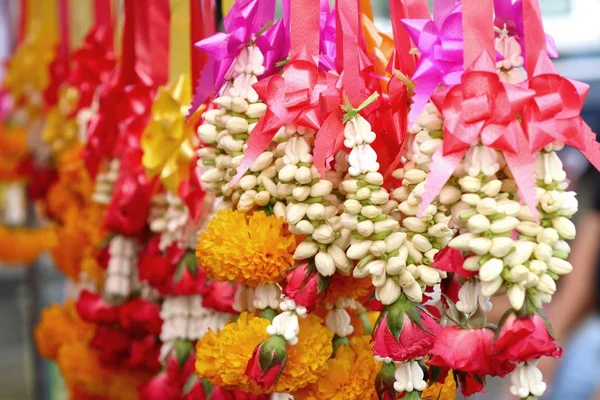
<point>245,19</point>
<point>440,43</point>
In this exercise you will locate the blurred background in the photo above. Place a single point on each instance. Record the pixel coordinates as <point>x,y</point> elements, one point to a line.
<point>575,26</point>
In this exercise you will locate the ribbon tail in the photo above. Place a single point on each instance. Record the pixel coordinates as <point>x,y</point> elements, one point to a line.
<point>592,147</point>
<point>442,168</point>
<point>204,87</point>
<point>521,165</point>
<point>258,142</point>
<point>325,141</point>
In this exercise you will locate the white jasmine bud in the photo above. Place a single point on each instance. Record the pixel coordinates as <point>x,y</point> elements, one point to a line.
<point>428,276</point>
<point>509,207</point>
<point>487,206</point>
<point>387,225</point>
<point>237,125</point>
<point>562,247</point>
<point>489,288</point>
<point>324,234</point>
<point>303,175</point>
<point>370,211</point>
<point>394,241</point>
<point>365,228</point>
<point>389,292</point>
<point>295,212</point>
<point>379,197</point>
<point>480,246</point>
<point>414,224</point>
<point>401,194</point>
<point>339,258</point>
<point>315,211</point>
<point>503,225</point>
<point>349,221</point>
<point>501,246</point>
<point>407,209</point>
<point>262,198</point>
<point>376,267</point>
<point>491,269</point>
<point>256,110</point>
<point>212,175</point>
<point>304,227</point>
<point>363,193</point>
<point>449,195</point>
<point>352,207</point>
<point>414,176</point>
<point>461,242</point>
<point>439,230</point>
<point>350,186</point>
<point>569,204</point>
<point>472,263</point>
<point>374,178</point>
<point>421,243</point>
<point>529,228</point>
<point>542,252</point>
<point>378,248</point>
<point>248,182</point>
<point>564,227</point>
<point>301,193</point>
<point>287,173</point>
<point>560,266</point>
<point>413,292</point>
<point>262,162</point>
<point>324,263</point>
<point>470,184</point>
<point>548,236</point>
<point>516,296</point>
<point>208,133</point>
<point>521,254</point>
<point>478,223</point>
<point>359,249</point>
<point>306,250</point>
<point>546,284</point>
<point>519,273</point>
<point>395,265</point>
<point>492,188</point>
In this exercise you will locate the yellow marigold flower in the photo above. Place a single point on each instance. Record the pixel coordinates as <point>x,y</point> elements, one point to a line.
<point>222,357</point>
<point>60,325</point>
<point>248,249</point>
<point>439,391</point>
<point>350,374</point>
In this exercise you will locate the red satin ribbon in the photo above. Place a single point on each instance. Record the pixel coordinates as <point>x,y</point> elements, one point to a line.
<point>203,25</point>
<point>152,41</point>
<point>63,10</point>
<point>402,59</point>
<point>295,96</point>
<point>102,13</point>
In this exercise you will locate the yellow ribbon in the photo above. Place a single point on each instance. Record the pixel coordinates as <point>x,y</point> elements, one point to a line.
<point>167,141</point>
<point>179,40</point>
<point>81,15</point>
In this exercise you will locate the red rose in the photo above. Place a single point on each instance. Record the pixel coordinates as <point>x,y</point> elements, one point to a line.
<point>178,373</point>
<point>467,350</point>
<point>160,388</point>
<point>140,317</point>
<point>524,339</point>
<point>470,385</point>
<point>219,296</point>
<point>93,308</point>
<point>157,268</point>
<point>451,260</point>
<point>144,353</point>
<point>398,335</point>
<point>302,286</point>
<point>267,362</point>
<point>196,392</point>
<point>189,284</point>
<point>113,345</point>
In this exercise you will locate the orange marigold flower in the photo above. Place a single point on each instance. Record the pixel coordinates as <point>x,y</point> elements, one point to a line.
<point>222,357</point>
<point>439,391</point>
<point>350,374</point>
<point>82,369</point>
<point>248,249</point>
<point>60,325</point>
<point>349,287</point>
<point>23,246</point>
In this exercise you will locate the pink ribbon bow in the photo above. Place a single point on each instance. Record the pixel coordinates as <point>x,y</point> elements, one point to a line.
<point>481,108</point>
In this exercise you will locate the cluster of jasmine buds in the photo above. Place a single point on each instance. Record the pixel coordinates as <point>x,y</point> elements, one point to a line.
<point>121,273</point>
<point>243,300</point>
<point>15,205</point>
<point>409,377</point>
<point>527,379</point>
<point>312,205</point>
<point>169,218</point>
<point>338,320</point>
<point>226,130</point>
<point>105,182</point>
<point>184,319</point>
<point>286,323</point>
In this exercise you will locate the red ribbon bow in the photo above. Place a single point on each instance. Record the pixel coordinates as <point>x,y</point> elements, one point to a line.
<point>554,112</point>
